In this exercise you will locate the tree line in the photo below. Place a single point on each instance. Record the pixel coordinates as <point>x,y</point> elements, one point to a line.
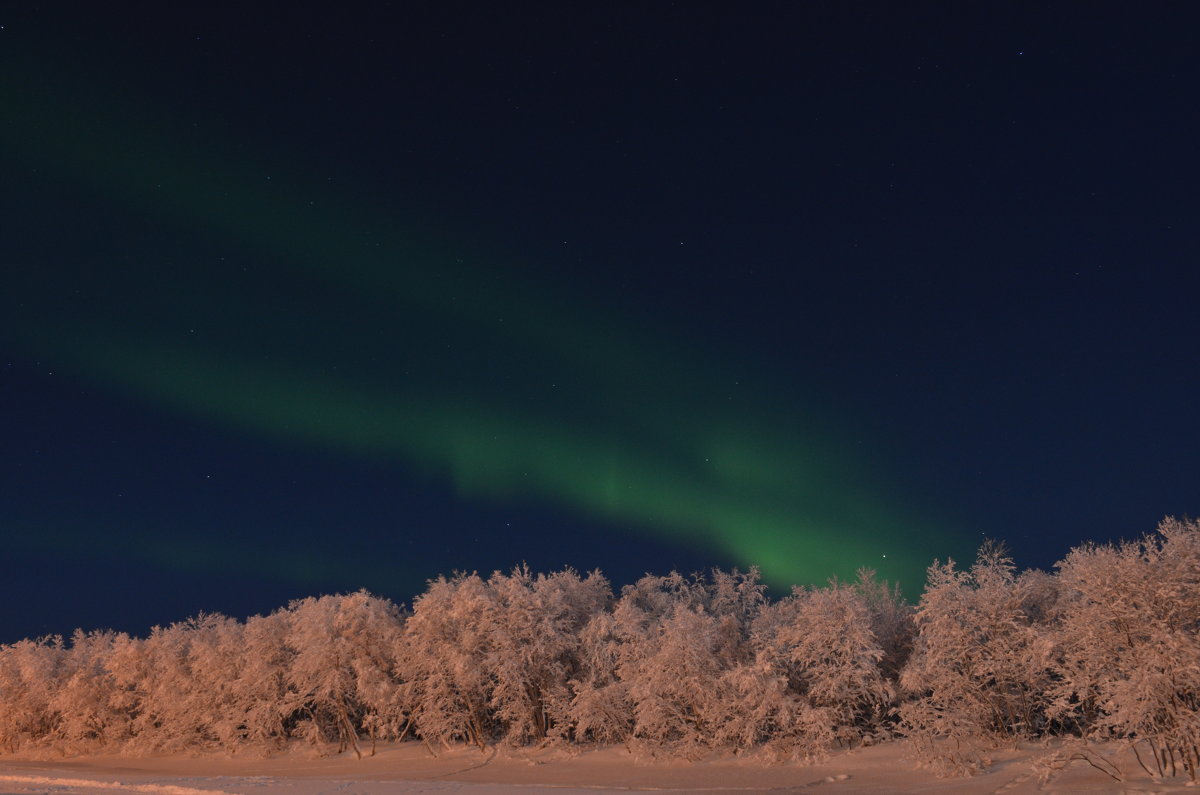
<point>1105,647</point>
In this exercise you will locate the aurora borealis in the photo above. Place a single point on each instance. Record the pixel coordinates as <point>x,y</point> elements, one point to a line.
<point>434,365</point>
<point>359,315</point>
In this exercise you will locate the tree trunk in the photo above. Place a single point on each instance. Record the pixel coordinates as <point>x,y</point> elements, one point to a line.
<point>347,731</point>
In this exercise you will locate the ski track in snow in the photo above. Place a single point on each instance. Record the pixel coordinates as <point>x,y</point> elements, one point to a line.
<point>57,784</point>
<point>265,785</point>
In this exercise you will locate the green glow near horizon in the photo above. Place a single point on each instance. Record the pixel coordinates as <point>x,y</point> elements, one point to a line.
<point>508,392</point>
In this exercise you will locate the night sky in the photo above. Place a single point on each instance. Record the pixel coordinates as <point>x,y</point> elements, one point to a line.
<point>308,299</point>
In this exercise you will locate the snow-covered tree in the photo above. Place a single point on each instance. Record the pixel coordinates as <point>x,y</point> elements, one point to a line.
<point>834,658</point>
<point>30,673</point>
<point>441,660</point>
<point>215,658</point>
<point>261,701</point>
<point>174,708</point>
<point>1128,654</point>
<point>95,708</point>
<point>492,659</point>
<point>672,674</point>
<point>975,675</point>
<point>621,652</point>
<point>891,621</point>
<point>1109,647</point>
<point>822,645</point>
<point>342,674</point>
<point>673,669</point>
<point>533,630</point>
<point>600,709</point>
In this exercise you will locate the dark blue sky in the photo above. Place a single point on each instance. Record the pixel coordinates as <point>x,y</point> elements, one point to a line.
<point>302,299</point>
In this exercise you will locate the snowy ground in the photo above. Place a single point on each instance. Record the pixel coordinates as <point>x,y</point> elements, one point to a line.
<point>408,768</point>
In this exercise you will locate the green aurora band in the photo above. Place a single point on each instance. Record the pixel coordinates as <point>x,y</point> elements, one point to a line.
<point>348,335</point>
